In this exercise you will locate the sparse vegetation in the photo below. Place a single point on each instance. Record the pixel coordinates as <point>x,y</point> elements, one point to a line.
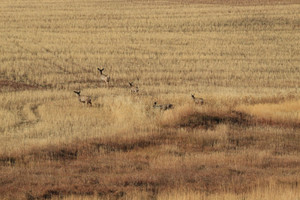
<point>242,143</point>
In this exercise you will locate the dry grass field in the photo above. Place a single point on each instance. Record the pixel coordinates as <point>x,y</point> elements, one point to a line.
<point>241,56</point>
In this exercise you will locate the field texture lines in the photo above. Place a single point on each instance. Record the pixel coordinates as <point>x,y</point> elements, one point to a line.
<point>240,57</point>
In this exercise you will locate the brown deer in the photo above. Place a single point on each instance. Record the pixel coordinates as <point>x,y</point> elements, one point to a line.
<point>83,99</point>
<point>162,106</point>
<point>198,101</point>
<point>104,77</point>
<point>133,90</point>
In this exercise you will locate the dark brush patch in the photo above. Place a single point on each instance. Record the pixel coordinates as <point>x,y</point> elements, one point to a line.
<point>7,160</point>
<point>124,146</point>
<point>210,121</point>
<point>7,85</point>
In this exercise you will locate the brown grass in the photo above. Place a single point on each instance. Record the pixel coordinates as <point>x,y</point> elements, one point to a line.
<point>8,86</point>
<point>241,57</point>
<point>227,158</point>
<point>238,2</point>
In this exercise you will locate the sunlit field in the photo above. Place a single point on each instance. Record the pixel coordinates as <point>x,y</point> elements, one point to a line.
<point>241,57</point>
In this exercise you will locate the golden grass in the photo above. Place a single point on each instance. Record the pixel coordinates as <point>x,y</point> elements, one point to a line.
<point>270,193</point>
<point>241,57</point>
<point>286,112</point>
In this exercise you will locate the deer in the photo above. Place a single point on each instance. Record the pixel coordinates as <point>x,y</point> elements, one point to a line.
<point>133,90</point>
<point>83,99</point>
<point>197,100</point>
<point>104,77</point>
<point>162,106</point>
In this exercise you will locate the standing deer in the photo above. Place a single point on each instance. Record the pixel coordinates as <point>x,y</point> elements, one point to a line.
<point>133,90</point>
<point>104,77</point>
<point>197,100</point>
<point>83,99</point>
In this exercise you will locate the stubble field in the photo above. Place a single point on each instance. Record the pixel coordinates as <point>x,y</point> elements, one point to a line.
<point>241,57</point>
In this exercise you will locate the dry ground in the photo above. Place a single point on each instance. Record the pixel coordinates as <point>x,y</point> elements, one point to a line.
<point>241,57</point>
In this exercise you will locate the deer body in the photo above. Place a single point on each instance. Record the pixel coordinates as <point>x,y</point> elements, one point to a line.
<point>197,100</point>
<point>104,77</point>
<point>163,106</point>
<point>133,90</point>
<point>83,99</point>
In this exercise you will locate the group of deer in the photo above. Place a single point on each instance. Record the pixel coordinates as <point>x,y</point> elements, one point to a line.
<point>198,101</point>
<point>133,90</point>
<point>105,78</point>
